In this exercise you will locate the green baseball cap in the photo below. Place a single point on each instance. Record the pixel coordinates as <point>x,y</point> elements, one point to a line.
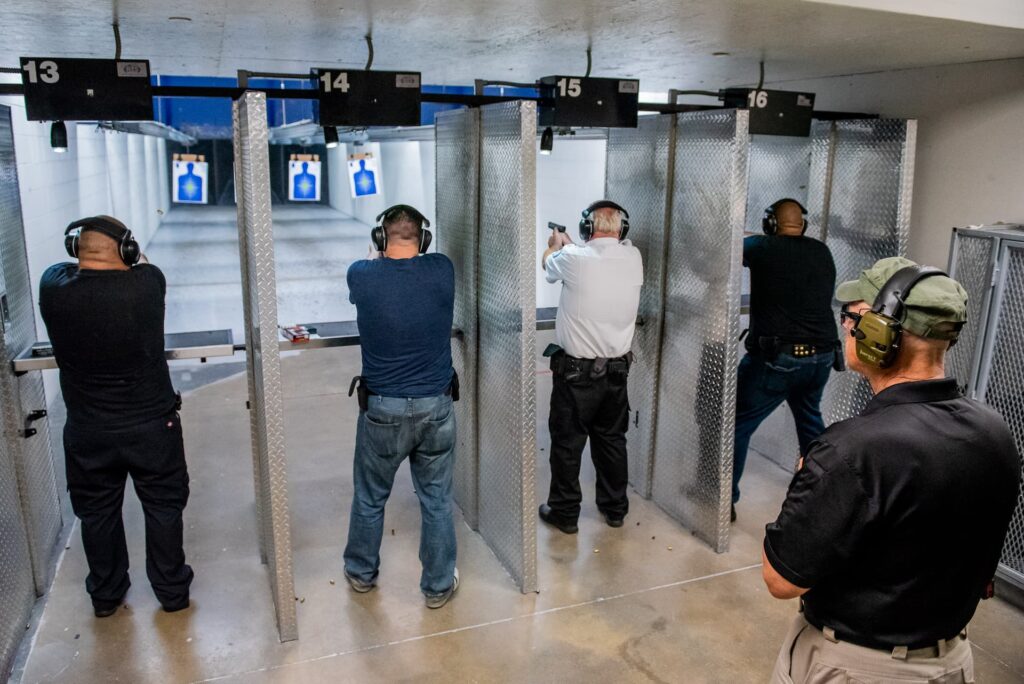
<point>935,308</point>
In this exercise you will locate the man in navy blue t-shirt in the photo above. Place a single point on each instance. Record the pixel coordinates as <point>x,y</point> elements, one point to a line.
<point>404,301</point>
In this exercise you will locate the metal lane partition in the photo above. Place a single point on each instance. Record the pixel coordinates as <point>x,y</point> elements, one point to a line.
<point>638,176</point>
<point>20,536</point>
<point>990,265</point>
<point>865,216</point>
<point>263,360</point>
<point>22,399</point>
<point>457,160</point>
<point>506,401</point>
<point>697,390</point>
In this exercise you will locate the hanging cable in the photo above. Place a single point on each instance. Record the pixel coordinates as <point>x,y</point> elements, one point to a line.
<point>117,40</point>
<point>760,80</point>
<point>369,47</point>
<point>587,75</point>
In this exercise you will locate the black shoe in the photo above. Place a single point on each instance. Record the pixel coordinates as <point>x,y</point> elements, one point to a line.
<point>105,610</point>
<point>175,607</point>
<point>732,513</point>
<point>547,516</point>
<point>614,521</point>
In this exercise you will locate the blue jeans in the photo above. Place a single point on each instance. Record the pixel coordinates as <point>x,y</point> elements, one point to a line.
<point>388,431</point>
<point>762,385</point>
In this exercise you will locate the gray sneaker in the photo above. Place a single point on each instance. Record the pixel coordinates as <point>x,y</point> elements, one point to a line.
<point>438,600</point>
<point>358,584</point>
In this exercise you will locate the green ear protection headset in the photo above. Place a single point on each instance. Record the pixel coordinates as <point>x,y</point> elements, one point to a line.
<point>879,330</point>
<point>379,235</point>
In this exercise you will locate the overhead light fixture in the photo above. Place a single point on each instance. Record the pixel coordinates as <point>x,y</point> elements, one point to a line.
<point>547,140</point>
<point>59,137</point>
<point>330,136</point>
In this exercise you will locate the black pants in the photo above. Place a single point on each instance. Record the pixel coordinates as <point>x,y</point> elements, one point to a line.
<point>98,463</point>
<point>598,409</point>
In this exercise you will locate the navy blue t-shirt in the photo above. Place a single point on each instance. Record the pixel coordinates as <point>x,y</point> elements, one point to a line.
<point>404,309</point>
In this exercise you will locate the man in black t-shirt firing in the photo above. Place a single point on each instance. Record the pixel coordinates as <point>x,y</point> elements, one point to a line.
<point>792,337</point>
<point>893,526</point>
<point>105,319</point>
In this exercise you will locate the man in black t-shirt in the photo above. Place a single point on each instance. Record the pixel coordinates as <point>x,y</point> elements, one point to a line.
<point>792,337</point>
<point>893,526</point>
<point>105,319</point>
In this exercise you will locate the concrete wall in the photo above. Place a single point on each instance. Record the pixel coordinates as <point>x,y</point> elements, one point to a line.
<point>970,145</point>
<point>102,172</point>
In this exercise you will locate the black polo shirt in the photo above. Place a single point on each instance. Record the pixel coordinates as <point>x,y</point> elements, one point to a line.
<point>792,279</point>
<point>896,521</point>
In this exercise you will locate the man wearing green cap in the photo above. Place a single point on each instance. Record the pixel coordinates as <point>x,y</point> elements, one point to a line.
<point>893,526</point>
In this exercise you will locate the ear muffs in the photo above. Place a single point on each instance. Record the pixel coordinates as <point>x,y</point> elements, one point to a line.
<point>379,236</point>
<point>879,331</point>
<point>587,222</point>
<point>770,222</point>
<point>127,248</point>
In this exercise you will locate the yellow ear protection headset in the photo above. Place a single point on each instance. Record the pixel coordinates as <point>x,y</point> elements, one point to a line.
<point>127,247</point>
<point>879,330</point>
<point>587,222</point>
<point>379,235</point>
<point>770,222</point>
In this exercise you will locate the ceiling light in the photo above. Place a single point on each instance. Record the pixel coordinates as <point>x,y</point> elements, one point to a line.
<point>547,140</point>
<point>59,137</point>
<point>330,136</point>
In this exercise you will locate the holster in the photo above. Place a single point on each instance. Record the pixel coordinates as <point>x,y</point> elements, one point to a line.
<point>839,358</point>
<point>177,401</point>
<point>358,385</point>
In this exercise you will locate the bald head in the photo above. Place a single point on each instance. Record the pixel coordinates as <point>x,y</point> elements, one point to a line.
<point>790,218</point>
<point>97,250</point>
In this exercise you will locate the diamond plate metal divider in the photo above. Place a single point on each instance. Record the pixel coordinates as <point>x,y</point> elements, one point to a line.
<point>507,322</point>
<point>972,261</point>
<point>19,396</point>
<point>1001,379</point>
<point>17,583</point>
<point>697,390</point>
<point>864,214</point>
<point>457,160</point>
<point>256,244</point>
<point>638,176</point>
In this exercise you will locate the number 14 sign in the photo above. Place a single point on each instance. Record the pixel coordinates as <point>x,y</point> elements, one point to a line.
<point>368,98</point>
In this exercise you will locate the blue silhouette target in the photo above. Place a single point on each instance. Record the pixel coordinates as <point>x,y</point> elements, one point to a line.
<point>363,176</point>
<point>189,182</point>
<point>304,181</point>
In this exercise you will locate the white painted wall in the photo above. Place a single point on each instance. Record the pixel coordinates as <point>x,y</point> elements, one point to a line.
<point>568,180</point>
<point>970,141</point>
<point>407,169</point>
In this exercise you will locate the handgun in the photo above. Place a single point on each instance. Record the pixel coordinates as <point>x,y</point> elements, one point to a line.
<point>554,226</point>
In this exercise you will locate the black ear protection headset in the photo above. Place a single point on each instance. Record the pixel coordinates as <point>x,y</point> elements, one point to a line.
<point>770,222</point>
<point>379,235</point>
<point>127,247</point>
<point>879,330</point>
<point>587,222</point>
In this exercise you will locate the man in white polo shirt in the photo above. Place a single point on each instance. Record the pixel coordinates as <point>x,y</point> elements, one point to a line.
<point>601,282</point>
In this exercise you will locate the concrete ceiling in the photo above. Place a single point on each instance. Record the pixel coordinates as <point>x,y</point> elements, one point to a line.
<point>665,43</point>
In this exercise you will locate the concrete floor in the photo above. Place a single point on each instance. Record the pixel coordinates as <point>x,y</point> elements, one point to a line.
<point>644,603</point>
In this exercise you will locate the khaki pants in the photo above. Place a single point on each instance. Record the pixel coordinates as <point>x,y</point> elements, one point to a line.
<point>807,657</point>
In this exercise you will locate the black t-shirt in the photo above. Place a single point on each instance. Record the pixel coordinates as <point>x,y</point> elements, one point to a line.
<point>897,519</point>
<point>791,283</point>
<point>107,332</point>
